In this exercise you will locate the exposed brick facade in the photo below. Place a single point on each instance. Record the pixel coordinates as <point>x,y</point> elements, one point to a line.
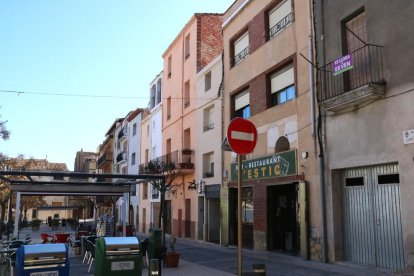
<point>209,38</point>
<point>258,94</point>
<point>257,32</point>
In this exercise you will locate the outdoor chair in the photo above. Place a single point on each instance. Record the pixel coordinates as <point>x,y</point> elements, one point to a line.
<point>73,244</point>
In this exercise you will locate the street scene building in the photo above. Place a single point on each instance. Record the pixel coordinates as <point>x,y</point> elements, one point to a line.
<point>364,63</point>
<point>195,46</point>
<point>329,89</point>
<point>266,80</point>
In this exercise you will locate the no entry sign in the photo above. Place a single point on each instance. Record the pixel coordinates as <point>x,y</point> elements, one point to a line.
<point>242,136</point>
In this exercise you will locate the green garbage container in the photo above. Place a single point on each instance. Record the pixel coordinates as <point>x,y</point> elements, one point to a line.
<point>154,249</point>
<point>118,256</point>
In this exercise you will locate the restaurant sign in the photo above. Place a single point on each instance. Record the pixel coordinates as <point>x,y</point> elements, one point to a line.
<point>342,64</point>
<point>275,165</point>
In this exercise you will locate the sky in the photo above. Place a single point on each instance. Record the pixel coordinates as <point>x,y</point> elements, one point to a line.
<point>100,54</point>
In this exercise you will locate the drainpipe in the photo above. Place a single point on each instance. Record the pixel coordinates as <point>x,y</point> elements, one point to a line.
<point>321,139</point>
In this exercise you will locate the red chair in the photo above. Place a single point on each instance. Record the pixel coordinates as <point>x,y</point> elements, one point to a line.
<point>61,238</point>
<point>45,238</point>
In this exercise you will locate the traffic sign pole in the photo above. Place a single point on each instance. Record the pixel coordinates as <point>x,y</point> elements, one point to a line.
<point>242,138</point>
<point>239,210</point>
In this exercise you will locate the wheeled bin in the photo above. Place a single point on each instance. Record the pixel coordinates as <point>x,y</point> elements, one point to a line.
<point>117,256</point>
<point>42,259</point>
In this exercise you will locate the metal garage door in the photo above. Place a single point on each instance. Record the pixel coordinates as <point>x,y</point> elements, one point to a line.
<point>372,217</point>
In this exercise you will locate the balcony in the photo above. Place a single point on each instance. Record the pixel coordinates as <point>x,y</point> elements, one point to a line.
<point>121,158</point>
<point>242,55</point>
<point>177,161</point>
<point>352,89</point>
<point>123,134</point>
<point>106,156</point>
<point>208,127</point>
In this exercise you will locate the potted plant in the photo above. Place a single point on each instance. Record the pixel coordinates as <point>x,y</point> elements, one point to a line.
<point>54,224</point>
<point>35,223</point>
<point>72,222</point>
<point>172,258</point>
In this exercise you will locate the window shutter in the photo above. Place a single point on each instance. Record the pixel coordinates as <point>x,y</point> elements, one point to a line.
<point>242,100</point>
<point>279,12</point>
<point>282,80</point>
<point>241,44</point>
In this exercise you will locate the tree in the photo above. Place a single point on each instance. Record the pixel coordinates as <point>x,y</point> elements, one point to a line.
<point>4,133</point>
<point>31,202</point>
<point>163,166</point>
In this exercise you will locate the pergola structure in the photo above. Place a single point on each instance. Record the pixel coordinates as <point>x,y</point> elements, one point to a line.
<point>71,183</point>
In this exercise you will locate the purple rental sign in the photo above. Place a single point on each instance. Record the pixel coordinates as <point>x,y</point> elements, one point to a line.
<point>342,64</point>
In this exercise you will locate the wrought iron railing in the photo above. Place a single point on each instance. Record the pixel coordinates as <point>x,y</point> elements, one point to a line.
<point>106,156</point>
<point>123,132</point>
<point>121,157</point>
<point>280,25</point>
<point>208,127</point>
<point>180,159</point>
<point>239,56</point>
<point>367,63</point>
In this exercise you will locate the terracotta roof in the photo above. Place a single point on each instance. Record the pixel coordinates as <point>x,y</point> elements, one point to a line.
<point>36,165</point>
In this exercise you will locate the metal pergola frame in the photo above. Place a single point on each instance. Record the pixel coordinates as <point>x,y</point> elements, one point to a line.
<point>25,183</point>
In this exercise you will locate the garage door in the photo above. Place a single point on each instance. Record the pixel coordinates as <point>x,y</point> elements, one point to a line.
<point>372,217</point>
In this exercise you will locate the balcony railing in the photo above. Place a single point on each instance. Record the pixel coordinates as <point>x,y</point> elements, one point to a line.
<point>280,25</point>
<point>123,133</point>
<point>240,56</point>
<point>121,157</point>
<point>178,160</point>
<point>208,127</point>
<point>106,156</point>
<point>367,71</point>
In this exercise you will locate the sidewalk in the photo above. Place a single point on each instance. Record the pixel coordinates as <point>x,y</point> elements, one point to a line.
<point>206,259</point>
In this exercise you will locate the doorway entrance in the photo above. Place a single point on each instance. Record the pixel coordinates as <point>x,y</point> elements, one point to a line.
<point>283,226</point>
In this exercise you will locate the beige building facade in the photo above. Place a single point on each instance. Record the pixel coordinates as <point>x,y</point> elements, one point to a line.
<point>267,81</point>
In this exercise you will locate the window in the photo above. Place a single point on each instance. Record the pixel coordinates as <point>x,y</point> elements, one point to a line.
<point>145,190</point>
<point>280,17</point>
<point>187,46</point>
<point>134,129</point>
<point>242,105</point>
<point>146,156</point>
<point>148,130</point>
<point>208,165</point>
<point>282,86</point>
<point>158,99</point>
<point>356,35</point>
<point>133,158</point>
<point>152,100</point>
<point>168,108</point>
<point>187,139</point>
<point>241,48</point>
<point>207,81</point>
<point>34,213</point>
<point>208,118</point>
<point>169,66</point>
<point>186,94</point>
<point>247,205</point>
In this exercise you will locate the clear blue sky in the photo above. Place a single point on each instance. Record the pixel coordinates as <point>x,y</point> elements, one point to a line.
<point>93,47</point>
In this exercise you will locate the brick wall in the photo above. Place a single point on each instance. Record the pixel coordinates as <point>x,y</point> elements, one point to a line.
<point>258,94</point>
<point>257,32</point>
<point>209,38</point>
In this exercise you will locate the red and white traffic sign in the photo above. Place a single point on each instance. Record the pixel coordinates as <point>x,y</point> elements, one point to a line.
<point>242,136</point>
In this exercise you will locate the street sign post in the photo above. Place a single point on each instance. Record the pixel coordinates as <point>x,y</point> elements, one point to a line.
<point>242,138</point>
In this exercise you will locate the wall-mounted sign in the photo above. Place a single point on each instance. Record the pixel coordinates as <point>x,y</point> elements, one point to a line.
<point>275,165</point>
<point>408,136</point>
<point>342,64</point>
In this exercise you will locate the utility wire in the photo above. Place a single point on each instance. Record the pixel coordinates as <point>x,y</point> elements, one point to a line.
<point>91,96</point>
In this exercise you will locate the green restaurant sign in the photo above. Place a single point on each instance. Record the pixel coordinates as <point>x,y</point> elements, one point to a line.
<point>275,165</point>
